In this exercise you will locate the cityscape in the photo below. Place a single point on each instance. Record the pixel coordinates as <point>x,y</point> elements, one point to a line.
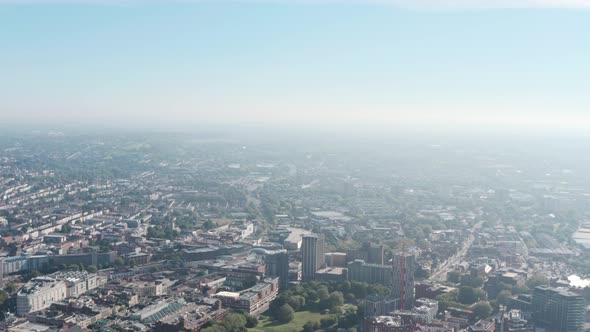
<point>160,232</point>
<point>294,166</point>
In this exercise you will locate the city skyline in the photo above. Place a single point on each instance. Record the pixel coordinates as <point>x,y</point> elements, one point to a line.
<point>294,165</point>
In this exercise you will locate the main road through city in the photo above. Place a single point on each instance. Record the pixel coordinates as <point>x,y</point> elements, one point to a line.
<point>441,273</point>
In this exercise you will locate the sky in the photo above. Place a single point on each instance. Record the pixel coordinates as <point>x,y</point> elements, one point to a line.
<point>301,63</point>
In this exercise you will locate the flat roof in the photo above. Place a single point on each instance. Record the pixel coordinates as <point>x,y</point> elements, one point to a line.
<point>227,294</point>
<point>332,270</point>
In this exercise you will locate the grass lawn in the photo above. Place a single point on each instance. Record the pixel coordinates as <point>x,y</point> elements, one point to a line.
<point>299,319</point>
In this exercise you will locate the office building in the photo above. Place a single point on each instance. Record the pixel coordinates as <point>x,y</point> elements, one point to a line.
<point>369,253</point>
<point>520,302</point>
<point>361,271</point>
<point>312,255</point>
<point>558,310</point>
<point>277,265</point>
<point>336,259</point>
<point>500,278</point>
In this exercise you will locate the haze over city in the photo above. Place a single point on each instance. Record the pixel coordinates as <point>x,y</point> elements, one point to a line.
<point>294,166</point>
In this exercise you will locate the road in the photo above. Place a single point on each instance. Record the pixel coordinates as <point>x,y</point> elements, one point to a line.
<point>441,273</point>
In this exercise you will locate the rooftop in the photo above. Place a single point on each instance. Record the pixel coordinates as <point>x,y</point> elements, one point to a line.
<point>390,321</point>
<point>227,294</point>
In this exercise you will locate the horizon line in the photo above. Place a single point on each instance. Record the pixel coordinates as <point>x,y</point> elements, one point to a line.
<point>404,4</point>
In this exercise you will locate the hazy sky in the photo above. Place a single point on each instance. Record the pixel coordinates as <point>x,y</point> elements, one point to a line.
<point>383,63</point>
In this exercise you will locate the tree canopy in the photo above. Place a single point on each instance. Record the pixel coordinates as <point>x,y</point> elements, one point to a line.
<point>285,314</point>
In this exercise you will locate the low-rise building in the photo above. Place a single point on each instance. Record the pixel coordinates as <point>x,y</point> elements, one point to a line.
<point>255,300</point>
<point>39,293</point>
<point>191,317</point>
<point>388,324</point>
<point>15,264</point>
<point>426,310</point>
<point>482,326</point>
<point>514,321</point>
<point>155,311</point>
<point>512,277</point>
<point>331,274</point>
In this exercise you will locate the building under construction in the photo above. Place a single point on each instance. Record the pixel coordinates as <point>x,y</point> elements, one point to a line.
<point>402,287</point>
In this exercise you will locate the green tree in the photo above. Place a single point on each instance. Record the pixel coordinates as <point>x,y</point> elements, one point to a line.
<point>119,261</point>
<point>344,287</point>
<point>336,299</point>
<point>520,290</point>
<point>91,268</point>
<point>351,318</point>
<point>251,321</point>
<point>503,296</point>
<point>537,280</point>
<point>207,225</point>
<point>11,287</point>
<point>469,295</point>
<point>296,302</point>
<point>323,293</point>
<point>276,304</point>
<point>482,310</point>
<point>421,273</point>
<point>234,322</point>
<point>3,297</point>
<point>74,267</point>
<point>285,314</point>
<point>454,277</point>
<point>359,289</point>
<point>468,280</point>
<point>307,327</point>
<point>66,229</point>
<point>327,322</point>
<point>310,326</point>
<point>377,289</point>
<point>312,295</point>
<point>214,328</point>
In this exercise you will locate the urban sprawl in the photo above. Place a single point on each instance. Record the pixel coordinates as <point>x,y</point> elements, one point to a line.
<point>171,232</point>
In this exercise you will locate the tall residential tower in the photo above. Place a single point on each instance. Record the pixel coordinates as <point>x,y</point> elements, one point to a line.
<point>277,265</point>
<point>402,287</point>
<point>312,256</point>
